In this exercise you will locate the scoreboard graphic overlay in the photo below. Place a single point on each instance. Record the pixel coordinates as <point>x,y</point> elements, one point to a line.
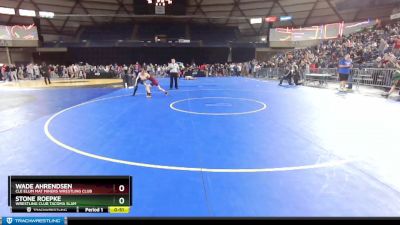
<point>70,194</point>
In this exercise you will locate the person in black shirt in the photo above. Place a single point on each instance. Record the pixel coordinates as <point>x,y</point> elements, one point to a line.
<point>296,74</point>
<point>1,72</point>
<point>126,79</point>
<point>59,71</point>
<point>45,71</point>
<point>7,72</point>
<point>287,76</point>
<point>13,72</point>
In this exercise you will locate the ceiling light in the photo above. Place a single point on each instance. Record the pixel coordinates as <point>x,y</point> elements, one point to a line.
<point>8,11</point>
<point>255,20</point>
<point>25,12</point>
<point>46,14</point>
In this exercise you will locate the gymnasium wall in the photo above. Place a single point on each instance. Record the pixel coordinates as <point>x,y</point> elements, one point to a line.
<point>17,55</point>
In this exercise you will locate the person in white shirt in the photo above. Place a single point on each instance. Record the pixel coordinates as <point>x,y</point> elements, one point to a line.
<point>76,71</point>
<point>21,72</point>
<point>71,71</point>
<point>64,71</point>
<point>173,68</point>
<point>29,71</point>
<point>36,71</point>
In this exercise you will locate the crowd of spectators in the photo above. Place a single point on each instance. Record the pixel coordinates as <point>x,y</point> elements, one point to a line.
<point>78,70</point>
<point>83,70</point>
<point>375,47</point>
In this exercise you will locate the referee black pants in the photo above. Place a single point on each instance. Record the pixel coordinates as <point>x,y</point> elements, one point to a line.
<point>127,80</point>
<point>173,77</point>
<point>47,80</point>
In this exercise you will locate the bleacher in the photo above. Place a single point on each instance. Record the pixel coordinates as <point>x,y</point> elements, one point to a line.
<point>211,34</point>
<point>108,32</point>
<point>113,35</point>
<point>171,30</point>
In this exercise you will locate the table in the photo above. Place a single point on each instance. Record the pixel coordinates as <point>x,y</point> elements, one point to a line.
<point>322,78</point>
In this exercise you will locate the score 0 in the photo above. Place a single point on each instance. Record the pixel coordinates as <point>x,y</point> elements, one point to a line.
<point>121,189</point>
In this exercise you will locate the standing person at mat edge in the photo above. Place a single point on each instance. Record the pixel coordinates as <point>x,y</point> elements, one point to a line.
<point>45,70</point>
<point>173,68</point>
<point>126,79</point>
<point>344,70</point>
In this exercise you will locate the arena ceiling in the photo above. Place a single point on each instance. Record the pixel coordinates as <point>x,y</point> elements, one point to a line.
<point>72,14</point>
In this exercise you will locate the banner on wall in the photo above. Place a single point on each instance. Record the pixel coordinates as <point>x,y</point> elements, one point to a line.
<point>19,36</point>
<point>295,36</point>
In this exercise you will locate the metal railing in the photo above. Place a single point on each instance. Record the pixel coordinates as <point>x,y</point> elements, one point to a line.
<point>376,77</point>
<point>269,73</point>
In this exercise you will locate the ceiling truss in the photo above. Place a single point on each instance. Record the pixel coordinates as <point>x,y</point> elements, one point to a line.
<point>223,12</point>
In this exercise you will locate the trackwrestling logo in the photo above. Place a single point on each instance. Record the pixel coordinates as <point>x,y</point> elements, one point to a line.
<point>33,220</point>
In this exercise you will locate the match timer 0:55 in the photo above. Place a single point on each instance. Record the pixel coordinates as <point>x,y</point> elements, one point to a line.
<point>118,209</point>
<point>70,194</point>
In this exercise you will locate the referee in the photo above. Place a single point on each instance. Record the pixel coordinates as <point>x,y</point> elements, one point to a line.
<point>173,68</point>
